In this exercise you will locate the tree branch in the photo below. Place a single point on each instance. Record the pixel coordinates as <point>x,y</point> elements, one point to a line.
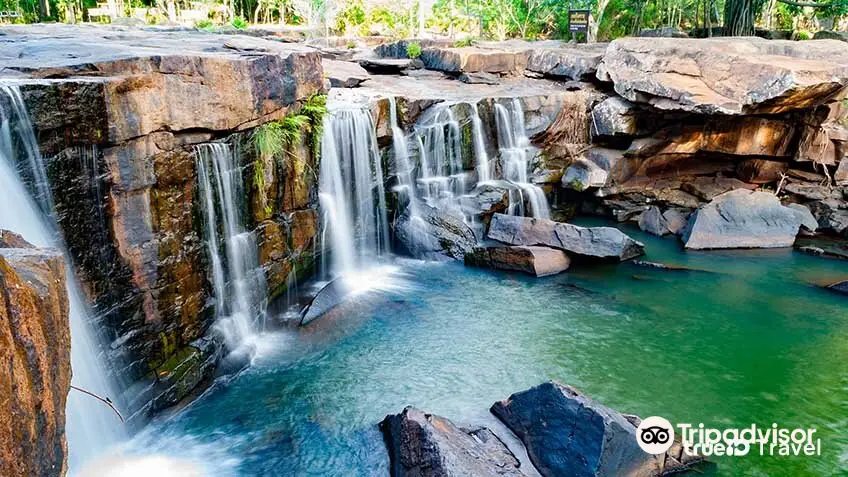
<point>106,401</point>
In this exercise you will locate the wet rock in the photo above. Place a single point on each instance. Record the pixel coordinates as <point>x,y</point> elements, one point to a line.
<point>742,219</point>
<point>583,174</point>
<point>808,222</point>
<point>832,215</point>
<point>616,116</point>
<point>840,287</point>
<point>537,261</point>
<point>389,66</point>
<point>487,199</point>
<point>330,296</point>
<point>423,444</point>
<point>12,240</point>
<point>479,78</point>
<point>184,370</point>
<point>589,242</point>
<point>761,171</point>
<point>35,352</point>
<point>725,75</point>
<point>676,220</point>
<point>827,246</point>
<point>435,234</point>
<point>653,222</point>
<point>567,433</point>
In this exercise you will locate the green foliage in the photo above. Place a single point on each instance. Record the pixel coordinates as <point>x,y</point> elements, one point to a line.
<point>468,41</point>
<point>413,49</point>
<point>315,109</point>
<point>239,23</point>
<point>803,35</point>
<point>205,24</point>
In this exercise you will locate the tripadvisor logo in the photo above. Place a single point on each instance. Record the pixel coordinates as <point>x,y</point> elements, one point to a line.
<point>655,435</point>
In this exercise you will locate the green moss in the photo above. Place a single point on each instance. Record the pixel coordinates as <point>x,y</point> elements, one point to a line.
<point>178,363</point>
<point>315,109</point>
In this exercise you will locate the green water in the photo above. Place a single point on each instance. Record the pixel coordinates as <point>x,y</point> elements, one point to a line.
<point>747,339</point>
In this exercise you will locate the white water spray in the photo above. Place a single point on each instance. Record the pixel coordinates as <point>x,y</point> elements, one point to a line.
<point>91,426</point>
<point>239,281</point>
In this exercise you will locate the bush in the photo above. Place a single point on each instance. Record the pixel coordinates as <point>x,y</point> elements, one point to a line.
<point>239,23</point>
<point>802,35</point>
<point>413,49</point>
<point>464,42</point>
<point>204,24</point>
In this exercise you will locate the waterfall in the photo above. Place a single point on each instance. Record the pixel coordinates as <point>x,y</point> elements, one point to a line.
<point>439,139</point>
<point>404,169</point>
<point>514,148</point>
<point>238,280</point>
<point>91,426</point>
<point>483,172</point>
<point>351,191</point>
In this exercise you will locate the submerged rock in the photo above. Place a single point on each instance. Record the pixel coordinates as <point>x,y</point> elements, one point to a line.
<point>426,445</point>
<point>537,261</point>
<point>840,287</point>
<point>742,219</point>
<point>590,242</point>
<point>567,433</point>
<point>434,234</point>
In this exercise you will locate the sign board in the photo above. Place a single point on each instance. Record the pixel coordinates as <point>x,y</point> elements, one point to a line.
<point>578,21</point>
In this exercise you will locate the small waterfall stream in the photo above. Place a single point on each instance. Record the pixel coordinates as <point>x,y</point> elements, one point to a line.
<point>91,426</point>
<point>514,148</point>
<point>351,190</point>
<point>239,281</point>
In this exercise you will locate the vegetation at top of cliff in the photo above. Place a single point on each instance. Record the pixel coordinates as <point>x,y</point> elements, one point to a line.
<point>489,19</point>
<point>315,109</point>
<point>413,49</point>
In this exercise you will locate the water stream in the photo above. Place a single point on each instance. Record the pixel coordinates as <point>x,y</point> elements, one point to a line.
<point>91,426</point>
<point>238,280</point>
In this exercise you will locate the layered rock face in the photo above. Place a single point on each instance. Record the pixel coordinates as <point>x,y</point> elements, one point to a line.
<point>35,353</point>
<point>118,114</point>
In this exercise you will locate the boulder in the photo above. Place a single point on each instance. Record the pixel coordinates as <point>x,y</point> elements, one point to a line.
<point>808,221</point>
<point>653,222</point>
<point>473,60</point>
<point>344,74</point>
<point>615,116</point>
<point>583,174</point>
<point>36,354</point>
<point>707,188</point>
<point>380,66</point>
<point>761,171</point>
<point>487,199</point>
<point>742,219</point>
<point>839,287</point>
<point>832,215</point>
<point>426,445</point>
<point>589,242</point>
<point>831,35</point>
<point>330,296</point>
<point>566,433</point>
<point>734,76</point>
<point>12,240</point>
<point>537,261</point>
<point>675,220</point>
<point>480,77</point>
<point>434,234</point>
<point>841,174</point>
<point>564,60</point>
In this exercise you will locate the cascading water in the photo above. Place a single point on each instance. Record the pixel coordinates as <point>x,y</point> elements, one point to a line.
<point>483,170</point>
<point>514,148</point>
<point>405,171</point>
<point>351,190</point>
<point>440,153</point>
<point>239,281</point>
<point>91,425</point>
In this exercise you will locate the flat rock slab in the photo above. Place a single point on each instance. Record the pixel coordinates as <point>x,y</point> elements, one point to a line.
<point>564,60</point>
<point>742,219</point>
<point>606,243</point>
<point>536,261</point>
<point>428,445</point>
<point>725,75</point>
<point>344,74</point>
<point>382,66</point>
<point>567,433</point>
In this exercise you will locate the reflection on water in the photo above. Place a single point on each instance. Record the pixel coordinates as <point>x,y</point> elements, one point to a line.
<point>744,338</point>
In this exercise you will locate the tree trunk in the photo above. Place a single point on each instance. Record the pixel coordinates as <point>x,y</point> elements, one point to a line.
<point>739,16</point>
